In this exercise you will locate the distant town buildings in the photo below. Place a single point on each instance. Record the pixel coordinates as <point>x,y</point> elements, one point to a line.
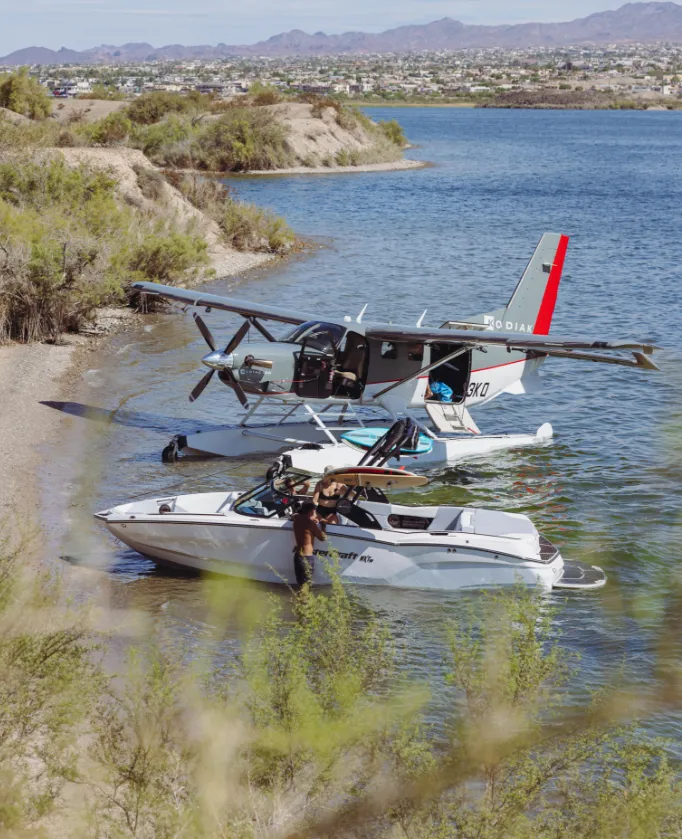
<point>635,71</point>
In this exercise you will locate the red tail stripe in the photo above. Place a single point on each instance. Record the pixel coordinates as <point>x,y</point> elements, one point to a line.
<point>543,321</point>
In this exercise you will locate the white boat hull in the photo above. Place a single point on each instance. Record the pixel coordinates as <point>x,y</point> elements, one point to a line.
<point>263,551</point>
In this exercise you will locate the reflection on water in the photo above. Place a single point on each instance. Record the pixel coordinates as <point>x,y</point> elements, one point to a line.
<point>454,238</point>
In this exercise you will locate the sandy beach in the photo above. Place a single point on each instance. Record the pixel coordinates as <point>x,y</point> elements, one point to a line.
<point>395,166</point>
<point>29,374</point>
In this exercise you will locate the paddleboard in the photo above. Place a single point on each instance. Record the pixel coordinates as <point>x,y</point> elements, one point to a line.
<point>365,438</point>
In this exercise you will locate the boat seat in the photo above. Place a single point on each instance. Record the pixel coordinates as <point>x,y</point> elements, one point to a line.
<point>344,520</point>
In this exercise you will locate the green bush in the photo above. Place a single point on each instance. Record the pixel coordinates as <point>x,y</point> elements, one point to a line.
<point>241,140</point>
<point>67,246</point>
<point>251,228</point>
<point>50,681</point>
<point>319,103</point>
<point>167,256</point>
<point>394,132</point>
<point>23,94</point>
<point>261,94</point>
<point>154,106</point>
<point>113,129</point>
<point>157,139</point>
<point>244,226</point>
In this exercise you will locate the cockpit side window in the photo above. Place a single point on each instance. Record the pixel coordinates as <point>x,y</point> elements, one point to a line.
<point>415,351</point>
<point>317,335</point>
<point>389,350</point>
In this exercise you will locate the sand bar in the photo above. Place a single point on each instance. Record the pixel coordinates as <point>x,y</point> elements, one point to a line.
<point>394,166</point>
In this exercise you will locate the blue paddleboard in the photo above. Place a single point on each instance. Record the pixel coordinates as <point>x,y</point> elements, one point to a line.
<point>365,438</point>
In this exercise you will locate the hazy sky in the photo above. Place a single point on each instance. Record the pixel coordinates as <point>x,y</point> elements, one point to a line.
<point>79,24</point>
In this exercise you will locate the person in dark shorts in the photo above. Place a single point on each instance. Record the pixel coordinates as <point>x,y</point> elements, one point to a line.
<point>306,530</point>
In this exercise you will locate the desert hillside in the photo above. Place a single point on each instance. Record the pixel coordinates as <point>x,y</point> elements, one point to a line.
<point>259,133</point>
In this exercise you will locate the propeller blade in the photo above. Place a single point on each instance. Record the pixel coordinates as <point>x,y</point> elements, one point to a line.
<point>228,378</point>
<point>205,331</point>
<point>199,388</point>
<point>238,337</point>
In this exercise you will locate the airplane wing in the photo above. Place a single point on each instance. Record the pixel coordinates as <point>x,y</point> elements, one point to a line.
<point>246,308</point>
<point>582,349</point>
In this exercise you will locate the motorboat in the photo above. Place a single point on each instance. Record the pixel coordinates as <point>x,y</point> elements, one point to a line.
<point>375,542</point>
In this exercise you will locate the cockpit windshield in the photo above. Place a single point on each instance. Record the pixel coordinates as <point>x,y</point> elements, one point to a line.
<point>317,335</point>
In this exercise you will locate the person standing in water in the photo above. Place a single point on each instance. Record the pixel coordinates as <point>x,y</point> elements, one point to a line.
<point>306,530</point>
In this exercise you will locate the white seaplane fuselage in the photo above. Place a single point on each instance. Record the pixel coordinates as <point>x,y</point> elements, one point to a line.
<point>429,547</point>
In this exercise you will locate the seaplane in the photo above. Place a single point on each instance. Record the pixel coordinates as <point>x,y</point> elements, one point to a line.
<point>352,378</point>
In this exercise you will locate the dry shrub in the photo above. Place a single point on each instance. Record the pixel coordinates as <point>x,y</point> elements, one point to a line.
<point>244,226</point>
<point>247,227</point>
<point>151,182</point>
<point>206,193</point>
<point>153,107</point>
<point>262,95</point>
<point>67,246</point>
<point>319,103</point>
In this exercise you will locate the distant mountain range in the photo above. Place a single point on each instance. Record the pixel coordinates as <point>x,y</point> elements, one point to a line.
<point>634,22</point>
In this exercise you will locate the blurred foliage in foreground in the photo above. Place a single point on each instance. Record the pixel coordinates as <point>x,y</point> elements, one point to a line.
<point>312,732</point>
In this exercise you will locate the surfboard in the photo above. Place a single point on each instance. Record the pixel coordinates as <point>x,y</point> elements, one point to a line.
<point>381,477</point>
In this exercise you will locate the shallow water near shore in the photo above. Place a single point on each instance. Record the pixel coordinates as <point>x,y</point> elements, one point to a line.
<point>453,238</point>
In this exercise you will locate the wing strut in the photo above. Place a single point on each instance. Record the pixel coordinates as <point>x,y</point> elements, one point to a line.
<point>263,331</point>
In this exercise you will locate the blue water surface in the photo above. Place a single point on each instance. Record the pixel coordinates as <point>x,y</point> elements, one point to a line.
<point>454,239</point>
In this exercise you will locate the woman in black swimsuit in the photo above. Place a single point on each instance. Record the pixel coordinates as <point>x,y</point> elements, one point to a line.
<point>326,497</point>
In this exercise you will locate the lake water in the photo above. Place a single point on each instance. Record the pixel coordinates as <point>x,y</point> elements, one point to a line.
<point>454,238</point>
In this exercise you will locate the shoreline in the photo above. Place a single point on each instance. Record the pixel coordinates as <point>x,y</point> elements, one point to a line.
<point>389,166</point>
<point>362,104</point>
<point>395,166</point>
<point>37,482</point>
<point>490,105</point>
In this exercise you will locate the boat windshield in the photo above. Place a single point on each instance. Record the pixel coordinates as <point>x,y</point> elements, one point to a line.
<point>264,502</point>
<point>317,335</point>
<point>276,498</point>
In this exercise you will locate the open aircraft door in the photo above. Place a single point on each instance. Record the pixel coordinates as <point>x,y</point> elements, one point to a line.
<point>455,372</point>
<point>314,369</point>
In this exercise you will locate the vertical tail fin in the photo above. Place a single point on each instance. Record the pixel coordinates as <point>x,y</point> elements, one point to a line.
<point>533,301</point>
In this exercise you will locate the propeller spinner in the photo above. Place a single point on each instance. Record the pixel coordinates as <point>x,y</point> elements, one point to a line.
<point>221,361</point>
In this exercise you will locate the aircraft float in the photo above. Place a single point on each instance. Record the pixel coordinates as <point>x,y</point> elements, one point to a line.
<point>358,367</point>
